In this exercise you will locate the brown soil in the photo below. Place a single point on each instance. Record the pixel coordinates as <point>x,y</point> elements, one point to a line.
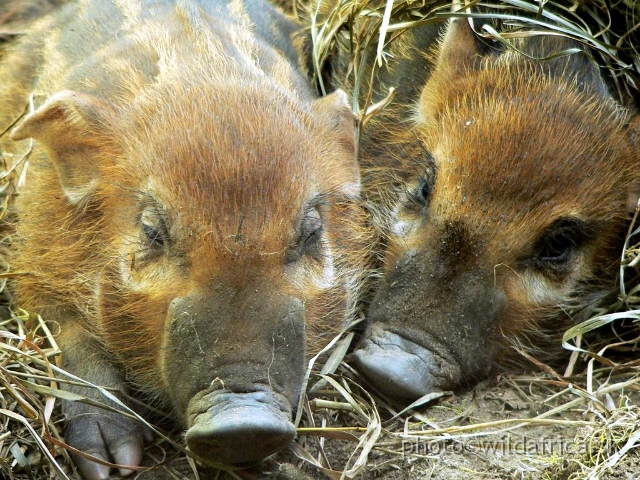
<point>554,451</point>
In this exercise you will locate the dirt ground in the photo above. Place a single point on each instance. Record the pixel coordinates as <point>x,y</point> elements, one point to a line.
<point>520,447</point>
<point>515,450</point>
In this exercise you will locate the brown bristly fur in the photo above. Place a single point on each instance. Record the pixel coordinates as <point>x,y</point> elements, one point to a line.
<point>509,147</point>
<point>196,121</point>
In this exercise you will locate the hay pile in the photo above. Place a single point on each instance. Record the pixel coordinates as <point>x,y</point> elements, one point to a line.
<point>499,430</point>
<point>361,31</point>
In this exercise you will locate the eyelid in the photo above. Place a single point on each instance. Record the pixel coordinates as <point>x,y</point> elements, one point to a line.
<point>153,222</point>
<point>152,209</point>
<point>311,221</point>
<point>416,198</point>
<point>151,217</point>
<point>309,232</point>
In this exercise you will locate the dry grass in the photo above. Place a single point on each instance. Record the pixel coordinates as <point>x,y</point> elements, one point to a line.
<point>346,428</point>
<point>363,29</point>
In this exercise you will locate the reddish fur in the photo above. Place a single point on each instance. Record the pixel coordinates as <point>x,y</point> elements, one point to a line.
<point>517,144</point>
<point>575,134</point>
<point>233,207</point>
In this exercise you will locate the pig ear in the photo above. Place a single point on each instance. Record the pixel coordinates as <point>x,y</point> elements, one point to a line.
<point>587,74</point>
<point>336,111</point>
<point>575,63</point>
<point>460,49</point>
<point>68,126</point>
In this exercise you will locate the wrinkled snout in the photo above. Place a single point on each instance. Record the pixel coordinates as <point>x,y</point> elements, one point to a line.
<point>234,364</point>
<point>401,368</point>
<point>236,428</point>
<point>433,321</point>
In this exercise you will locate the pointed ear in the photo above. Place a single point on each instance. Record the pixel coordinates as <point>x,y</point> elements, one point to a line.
<point>337,114</point>
<point>460,48</point>
<point>587,74</point>
<point>69,125</point>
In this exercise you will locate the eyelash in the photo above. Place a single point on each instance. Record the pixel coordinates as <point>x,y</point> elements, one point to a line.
<point>418,197</point>
<point>156,236</point>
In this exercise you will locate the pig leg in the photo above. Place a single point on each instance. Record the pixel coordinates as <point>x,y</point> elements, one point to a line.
<point>106,435</point>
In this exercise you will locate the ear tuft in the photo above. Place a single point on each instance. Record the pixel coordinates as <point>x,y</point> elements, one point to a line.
<point>336,106</point>
<point>460,48</point>
<point>61,110</point>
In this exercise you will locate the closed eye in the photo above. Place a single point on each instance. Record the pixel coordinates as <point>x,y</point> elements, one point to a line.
<point>311,232</point>
<point>155,235</point>
<point>309,237</point>
<point>419,197</point>
<point>558,247</point>
<point>153,228</point>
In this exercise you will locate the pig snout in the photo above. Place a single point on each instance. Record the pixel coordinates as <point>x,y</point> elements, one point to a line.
<point>234,367</point>
<point>437,340</point>
<point>236,428</point>
<point>401,368</point>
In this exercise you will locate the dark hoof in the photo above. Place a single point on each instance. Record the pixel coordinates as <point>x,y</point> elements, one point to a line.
<point>110,437</point>
<point>241,428</point>
<point>401,369</point>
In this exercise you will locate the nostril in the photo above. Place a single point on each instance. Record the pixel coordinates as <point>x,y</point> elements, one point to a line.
<point>241,428</point>
<point>395,375</point>
<point>401,369</point>
<point>240,434</point>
